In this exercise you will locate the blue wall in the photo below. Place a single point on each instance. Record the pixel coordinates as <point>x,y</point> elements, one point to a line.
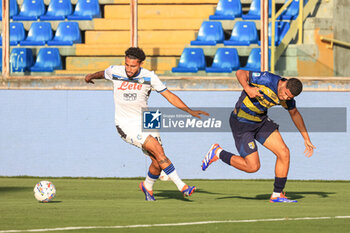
<point>72,133</point>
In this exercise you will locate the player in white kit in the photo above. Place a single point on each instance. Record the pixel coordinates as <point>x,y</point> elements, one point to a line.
<point>132,86</point>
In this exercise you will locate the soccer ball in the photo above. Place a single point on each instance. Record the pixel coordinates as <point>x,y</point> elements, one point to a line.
<point>44,191</point>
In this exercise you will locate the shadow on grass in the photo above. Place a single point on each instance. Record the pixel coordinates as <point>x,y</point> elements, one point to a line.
<point>51,202</point>
<point>15,189</point>
<point>171,194</point>
<point>174,194</point>
<point>291,195</point>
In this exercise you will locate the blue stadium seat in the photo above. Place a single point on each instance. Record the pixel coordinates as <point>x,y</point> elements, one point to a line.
<point>13,8</point>
<point>225,61</point>
<point>67,33</point>
<point>210,33</point>
<point>17,33</point>
<point>191,60</point>
<point>243,33</point>
<point>30,10</point>
<point>48,60</point>
<point>39,33</point>
<point>227,10</point>
<point>292,11</point>
<point>21,59</point>
<point>58,10</point>
<point>281,29</point>
<point>254,60</point>
<point>86,10</point>
<point>1,59</point>
<point>254,10</point>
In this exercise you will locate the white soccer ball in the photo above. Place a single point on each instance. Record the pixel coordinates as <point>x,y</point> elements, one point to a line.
<point>44,191</point>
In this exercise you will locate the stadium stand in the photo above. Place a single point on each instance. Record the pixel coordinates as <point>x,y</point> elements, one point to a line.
<point>191,60</point>
<point>38,34</point>
<point>210,33</point>
<point>58,10</point>
<point>281,29</point>
<point>86,10</point>
<point>254,11</point>
<point>227,10</point>
<point>21,59</point>
<point>30,10</point>
<point>163,33</point>
<point>292,11</point>
<point>254,60</point>
<point>243,33</point>
<point>13,8</point>
<point>48,60</point>
<point>17,33</point>
<point>67,33</point>
<point>225,61</point>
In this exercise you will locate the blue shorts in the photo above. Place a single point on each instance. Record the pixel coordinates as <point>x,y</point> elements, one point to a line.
<point>245,134</point>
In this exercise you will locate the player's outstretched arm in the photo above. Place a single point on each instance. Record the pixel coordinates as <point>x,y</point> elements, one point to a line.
<point>299,123</point>
<point>97,75</point>
<point>177,102</point>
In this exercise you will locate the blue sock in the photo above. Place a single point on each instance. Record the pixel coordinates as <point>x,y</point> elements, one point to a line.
<point>279,184</point>
<point>226,157</point>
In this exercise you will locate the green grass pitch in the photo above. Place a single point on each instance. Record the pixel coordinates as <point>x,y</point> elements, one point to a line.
<point>119,202</point>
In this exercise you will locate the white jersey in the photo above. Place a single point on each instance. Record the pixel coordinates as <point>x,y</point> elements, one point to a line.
<point>131,95</point>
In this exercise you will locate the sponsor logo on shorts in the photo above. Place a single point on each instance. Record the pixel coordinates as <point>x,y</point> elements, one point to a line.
<point>130,96</point>
<point>251,145</point>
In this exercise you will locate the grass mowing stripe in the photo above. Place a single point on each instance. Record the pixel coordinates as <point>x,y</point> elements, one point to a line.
<point>174,224</point>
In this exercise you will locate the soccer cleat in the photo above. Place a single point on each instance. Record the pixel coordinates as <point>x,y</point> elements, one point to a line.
<point>281,198</point>
<point>188,190</point>
<point>148,194</point>
<point>211,156</point>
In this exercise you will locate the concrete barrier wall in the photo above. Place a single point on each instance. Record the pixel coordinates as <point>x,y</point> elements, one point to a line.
<point>72,133</point>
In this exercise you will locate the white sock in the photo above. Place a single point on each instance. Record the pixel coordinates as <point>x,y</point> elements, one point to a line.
<point>276,195</point>
<point>176,179</point>
<point>149,182</point>
<point>218,152</point>
<point>171,172</point>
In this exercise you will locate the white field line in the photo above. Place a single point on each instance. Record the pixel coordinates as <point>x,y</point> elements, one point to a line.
<point>174,224</point>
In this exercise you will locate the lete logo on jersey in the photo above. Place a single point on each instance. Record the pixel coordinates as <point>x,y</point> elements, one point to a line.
<point>130,86</point>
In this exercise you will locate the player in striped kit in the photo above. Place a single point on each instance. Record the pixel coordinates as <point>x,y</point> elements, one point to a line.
<point>132,86</point>
<point>249,123</point>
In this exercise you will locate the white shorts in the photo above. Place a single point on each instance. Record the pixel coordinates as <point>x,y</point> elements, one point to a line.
<point>135,136</point>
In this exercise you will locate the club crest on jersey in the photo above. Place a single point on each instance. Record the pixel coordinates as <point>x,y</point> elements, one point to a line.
<point>130,86</point>
<point>251,145</point>
<point>256,74</point>
<point>152,119</point>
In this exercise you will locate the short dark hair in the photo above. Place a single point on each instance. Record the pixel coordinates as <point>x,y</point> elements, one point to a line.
<point>135,53</point>
<point>295,86</point>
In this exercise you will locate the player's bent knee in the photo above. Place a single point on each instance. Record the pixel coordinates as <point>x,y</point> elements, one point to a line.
<point>253,168</point>
<point>284,153</point>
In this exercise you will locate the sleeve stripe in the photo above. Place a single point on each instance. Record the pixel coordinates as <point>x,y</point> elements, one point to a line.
<point>162,90</point>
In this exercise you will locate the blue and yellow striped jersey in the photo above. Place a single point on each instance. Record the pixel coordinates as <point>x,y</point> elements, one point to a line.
<point>253,110</point>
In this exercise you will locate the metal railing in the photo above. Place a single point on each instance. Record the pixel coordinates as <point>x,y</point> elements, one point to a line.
<point>334,41</point>
<point>296,26</point>
<point>274,17</point>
